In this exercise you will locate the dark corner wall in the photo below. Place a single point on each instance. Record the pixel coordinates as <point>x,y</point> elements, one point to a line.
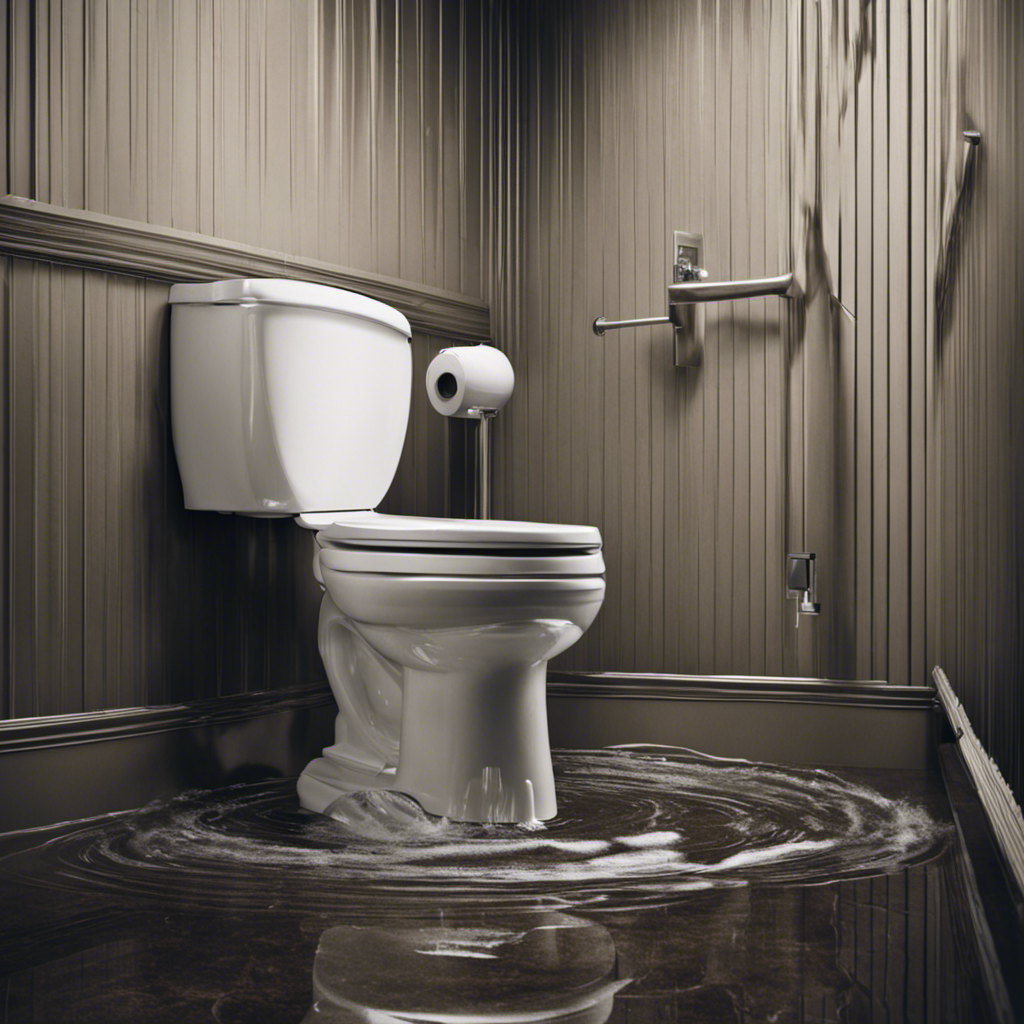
<point>976,533</point>
<point>349,133</point>
<point>879,423</point>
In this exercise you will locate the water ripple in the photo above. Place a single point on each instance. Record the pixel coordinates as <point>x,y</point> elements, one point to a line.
<point>634,826</point>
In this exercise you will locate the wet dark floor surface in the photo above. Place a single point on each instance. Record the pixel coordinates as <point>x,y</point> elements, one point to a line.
<point>670,888</point>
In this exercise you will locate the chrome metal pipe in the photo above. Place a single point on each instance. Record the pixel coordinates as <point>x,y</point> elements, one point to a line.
<point>483,464</point>
<point>601,324</point>
<point>723,291</point>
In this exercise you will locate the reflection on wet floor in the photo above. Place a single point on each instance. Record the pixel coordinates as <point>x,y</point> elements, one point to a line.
<point>670,887</point>
<point>508,967</point>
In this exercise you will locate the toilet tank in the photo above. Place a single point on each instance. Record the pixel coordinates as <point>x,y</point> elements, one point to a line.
<point>286,397</point>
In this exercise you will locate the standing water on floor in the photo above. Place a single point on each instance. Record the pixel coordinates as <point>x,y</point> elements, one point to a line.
<point>706,889</point>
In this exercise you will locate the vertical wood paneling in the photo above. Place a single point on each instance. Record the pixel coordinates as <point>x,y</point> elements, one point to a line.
<point>5,124</point>
<point>121,596</point>
<point>6,589</point>
<point>309,128</point>
<point>725,342</point>
<point>639,121</point>
<point>777,252</point>
<point>900,313</point>
<point>821,135</point>
<point>919,306</point>
<point>20,117</point>
<point>975,611</point>
<point>879,212</point>
<point>344,132</point>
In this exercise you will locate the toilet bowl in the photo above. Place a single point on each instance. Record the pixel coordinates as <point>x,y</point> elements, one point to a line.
<point>292,399</point>
<point>436,636</point>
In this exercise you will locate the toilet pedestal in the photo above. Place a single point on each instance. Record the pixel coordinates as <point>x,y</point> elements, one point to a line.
<point>474,747</point>
<point>475,744</point>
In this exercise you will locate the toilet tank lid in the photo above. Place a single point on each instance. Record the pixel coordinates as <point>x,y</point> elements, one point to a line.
<point>375,529</point>
<point>281,292</point>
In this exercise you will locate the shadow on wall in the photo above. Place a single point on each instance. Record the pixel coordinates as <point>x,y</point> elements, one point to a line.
<point>949,257</point>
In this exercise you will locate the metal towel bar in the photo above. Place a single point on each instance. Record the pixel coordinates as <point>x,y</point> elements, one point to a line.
<point>723,291</point>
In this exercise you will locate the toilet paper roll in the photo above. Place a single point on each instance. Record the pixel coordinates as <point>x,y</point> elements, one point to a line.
<point>461,381</point>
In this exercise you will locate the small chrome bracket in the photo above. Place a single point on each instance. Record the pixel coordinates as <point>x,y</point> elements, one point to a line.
<point>688,321</point>
<point>802,583</point>
<point>482,488</point>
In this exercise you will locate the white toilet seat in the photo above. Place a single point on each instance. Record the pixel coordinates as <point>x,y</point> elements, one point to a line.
<point>376,529</point>
<point>368,542</point>
<point>345,558</point>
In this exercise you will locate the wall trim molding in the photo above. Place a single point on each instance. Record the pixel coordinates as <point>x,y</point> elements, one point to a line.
<point>56,234</point>
<point>46,732</point>
<point>69,767</point>
<point>65,767</point>
<point>996,797</point>
<point>987,890</point>
<point>655,686</point>
<point>97,726</point>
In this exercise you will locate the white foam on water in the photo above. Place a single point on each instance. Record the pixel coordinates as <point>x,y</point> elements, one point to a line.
<point>767,855</point>
<point>638,862</point>
<point>457,952</point>
<point>503,847</point>
<point>630,820</point>
<point>650,839</point>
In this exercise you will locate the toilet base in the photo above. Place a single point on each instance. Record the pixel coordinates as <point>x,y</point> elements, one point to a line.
<point>474,747</point>
<point>323,781</point>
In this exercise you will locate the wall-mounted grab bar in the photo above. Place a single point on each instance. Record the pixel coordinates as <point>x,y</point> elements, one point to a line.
<point>722,291</point>
<point>601,324</point>
<point>689,289</point>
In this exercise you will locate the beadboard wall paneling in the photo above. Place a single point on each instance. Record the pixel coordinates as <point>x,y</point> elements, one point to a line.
<point>976,396</point>
<point>118,596</point>
<point>347,133</point>
<point>339,130</point>
<point>637,120</point>
<point>928,416</point>
<point>540,155</point>
<point>860,228</point>
<point>878,422</point>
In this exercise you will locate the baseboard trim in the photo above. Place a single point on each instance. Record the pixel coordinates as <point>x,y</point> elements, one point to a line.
<point>77,766</point>
<point>74,766</point>
<point>653,686</point>
<point>993,906</point>
<point>56,234</point>
<point>785,721</point>
<point>43,733</point>
<point>1004,814</point>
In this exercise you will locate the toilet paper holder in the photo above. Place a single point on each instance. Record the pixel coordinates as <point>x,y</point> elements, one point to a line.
<point>472,383</point>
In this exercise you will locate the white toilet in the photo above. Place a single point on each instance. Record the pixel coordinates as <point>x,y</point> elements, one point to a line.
<point>292,399</point>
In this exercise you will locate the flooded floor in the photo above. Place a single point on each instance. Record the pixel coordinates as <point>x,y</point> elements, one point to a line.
<point>671,887</point>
